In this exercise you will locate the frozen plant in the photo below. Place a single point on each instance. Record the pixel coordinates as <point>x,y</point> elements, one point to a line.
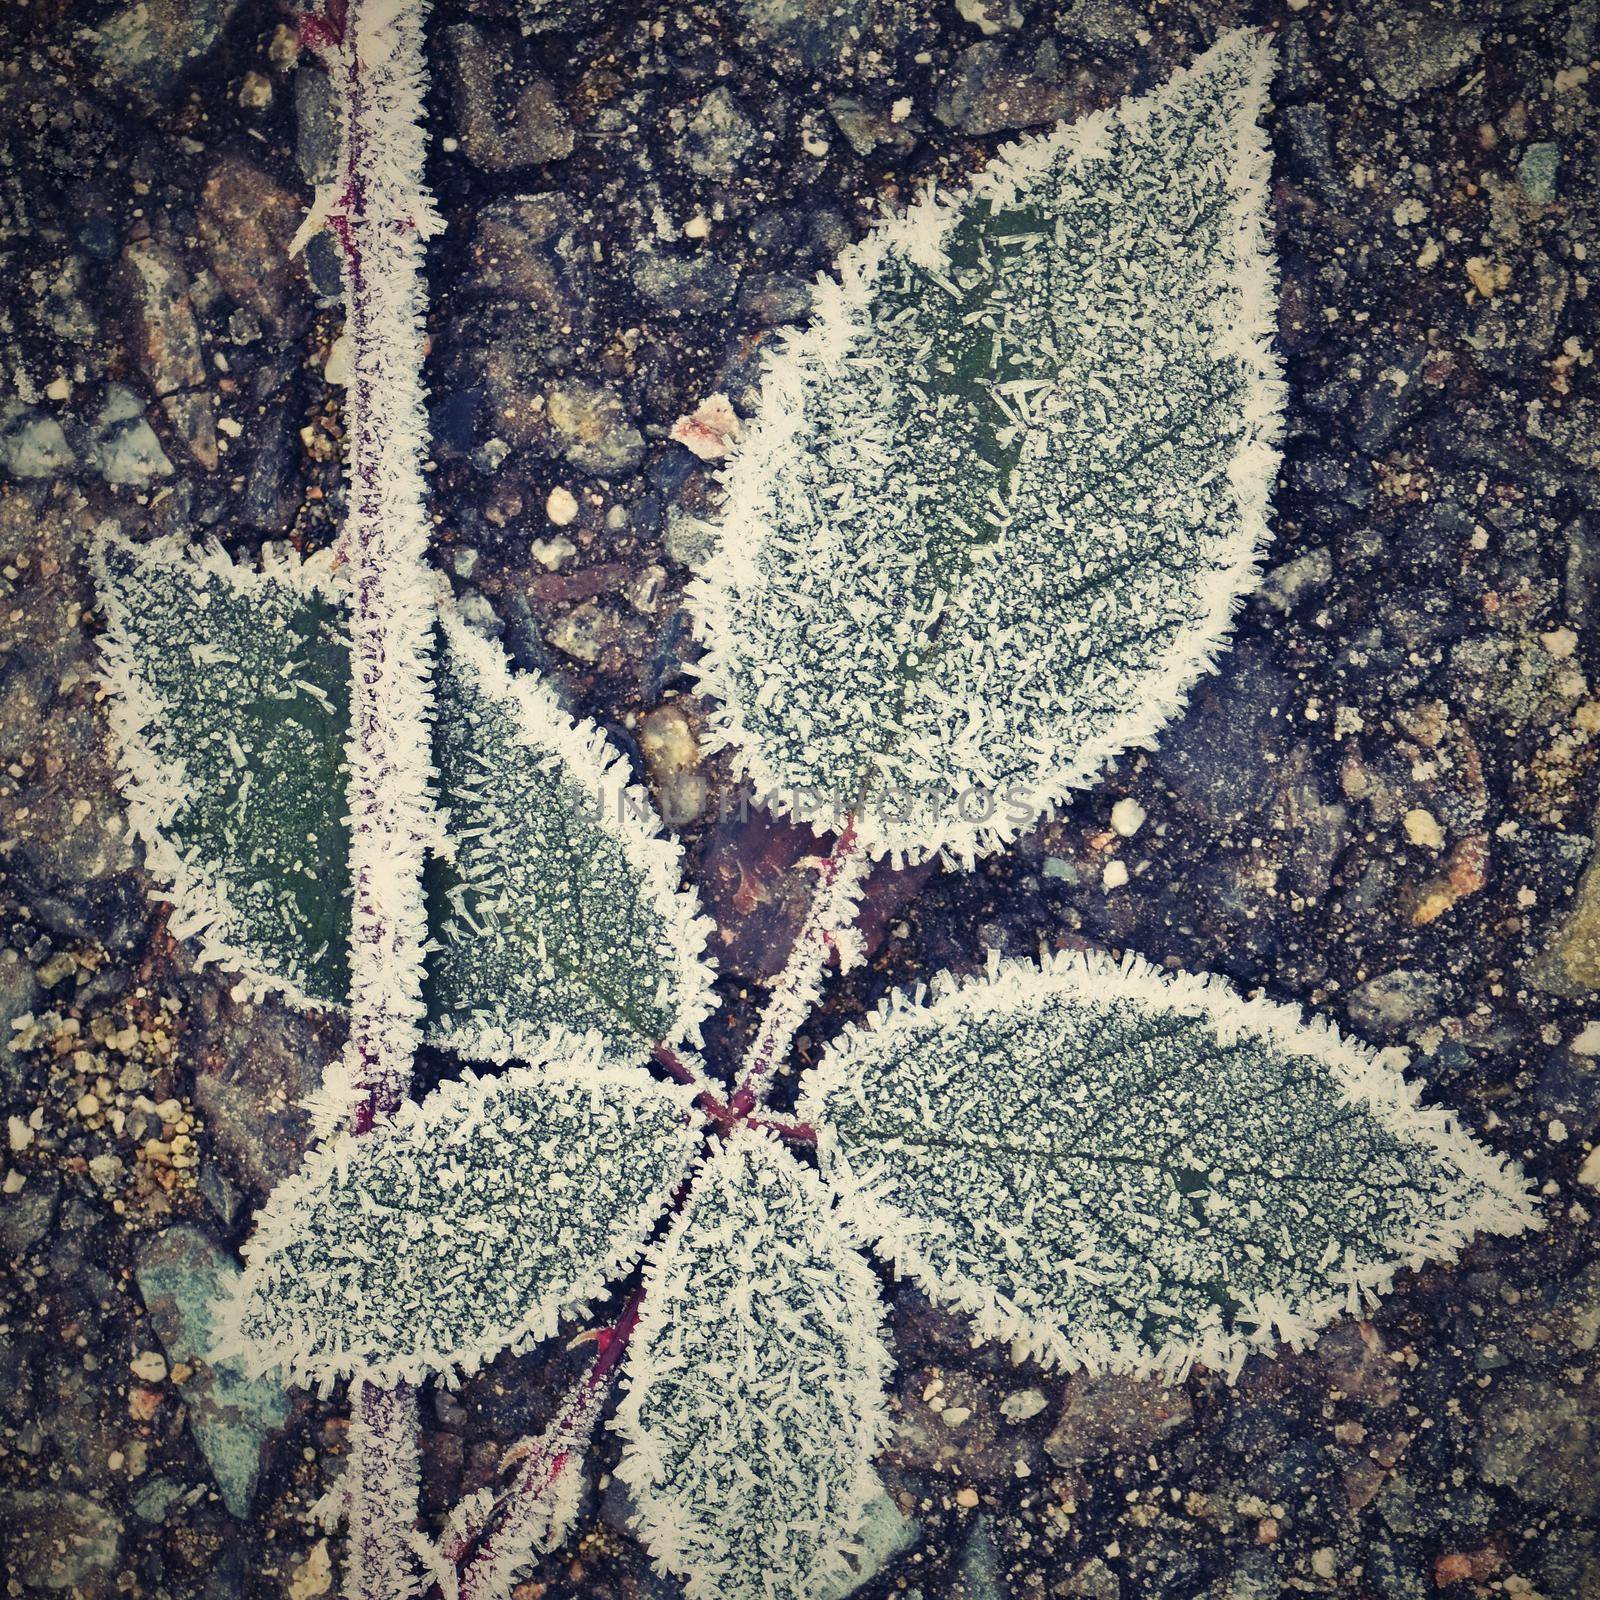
<point>990,522</point>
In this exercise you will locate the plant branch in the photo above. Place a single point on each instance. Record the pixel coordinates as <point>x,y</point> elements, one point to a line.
<point>381,215</point>
<point>828,929</point>
<point>491,1536</point>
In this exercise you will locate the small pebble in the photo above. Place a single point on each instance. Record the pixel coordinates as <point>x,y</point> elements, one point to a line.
<point>560,507</point>
<point>1127,817</point>
<point>1422,828</point>
<point>149,1366</point>
<point>1114,875</point>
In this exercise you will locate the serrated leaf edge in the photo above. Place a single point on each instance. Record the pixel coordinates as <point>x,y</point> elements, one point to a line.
<point>655,1523</point>
<point>151,786</point>
<point>579,1061</point>
<point>1369,1077</point>
<point>840,311</point>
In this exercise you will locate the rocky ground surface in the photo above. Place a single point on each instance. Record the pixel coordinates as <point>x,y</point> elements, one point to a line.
<point>1381,806</point>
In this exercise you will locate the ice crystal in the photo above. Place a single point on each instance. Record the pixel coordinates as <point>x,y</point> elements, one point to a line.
<point>465,1225</point>
<point>553,904</point>
<point>1121,1170</point>
<point>755,1399</point>
<point>1002,495</point>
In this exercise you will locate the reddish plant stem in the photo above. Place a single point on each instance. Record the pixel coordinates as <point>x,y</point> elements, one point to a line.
<point>476,1554</point>
<point>477,1557</point>
<point>720,1112</point>
<point>373,49</point>
<point>838,880</point>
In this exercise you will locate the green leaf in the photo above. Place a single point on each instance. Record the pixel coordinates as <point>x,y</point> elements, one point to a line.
<point>755,1385</point>
<point>466,1225</point>
<point>230,709</point>
<point>558,905</point>
<point>553,904</point>
<point>1002,496</point>
<point>1120,1170</point>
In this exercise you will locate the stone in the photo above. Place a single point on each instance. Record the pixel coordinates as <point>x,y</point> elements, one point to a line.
<point>149,46</point>
<point>1569,963</point>
<point>528,249</point>
<point>32,444</point>
<point>1537,1437</point>
<point>993,87</point>
<point>1212,757</point>
<point>166,344</point>
<point>124,448</point>
<point>25,1217</point>
<point>866,126</point>
<point>245,222</point>
<point>886,1535</point>
<point>1115,1414</point>
<point>695,284</point>
<point>253,1065</point>
<point>1285,586</point>
<point>316,124</point>
<point>180,1274</point>
<point>57,1540</point>
<point>505,117</point>
<point>770,299</point>
<point>689,540</point>
<point>592,429</point>
<point>1410,51</point>
<point>717,137</point>
<point>978,1566</point>
<point>1099,24</point>
<point>1537,170</point>
<point>1396,1000</point>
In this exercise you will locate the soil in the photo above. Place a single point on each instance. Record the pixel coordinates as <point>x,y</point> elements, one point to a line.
<point>1380,807</point>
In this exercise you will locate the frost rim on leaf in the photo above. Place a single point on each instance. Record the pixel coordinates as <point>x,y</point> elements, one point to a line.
<point>577,1066</point>
<point>153,787</point>
<point>677,1544</point>
<point>1363,1075</point>
<point>839,318</point>
<point>602,774</point>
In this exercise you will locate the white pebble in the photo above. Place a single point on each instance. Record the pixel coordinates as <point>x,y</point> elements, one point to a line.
<point>561,508</point>
<point>149,1366</point>
<point>1115,874</point>
<point>1127,817</point>
<point>1422,828</point>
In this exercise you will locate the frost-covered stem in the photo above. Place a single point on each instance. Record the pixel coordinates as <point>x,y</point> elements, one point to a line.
<point>382,1477</point>
<point>829,927</point>
<point>485,1551</point>
<point>381,215</point>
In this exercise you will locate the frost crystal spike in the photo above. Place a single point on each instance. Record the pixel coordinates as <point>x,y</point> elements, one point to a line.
<point>553,903</point>
<point>464,1226</point>
<point>1120,1170</point>
<point>755,1385</point>
<point>1003,494</point>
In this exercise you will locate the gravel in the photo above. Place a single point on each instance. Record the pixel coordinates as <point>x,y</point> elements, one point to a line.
<point>637,201</point>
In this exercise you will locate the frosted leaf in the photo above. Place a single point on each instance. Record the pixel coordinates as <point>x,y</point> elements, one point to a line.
<point>557,905</point>
<point>465,1225</point>
<point>560,904</point>
<point>231,713</point>
<point>1121,1170</point>
<point>755,1385</point>
<point>1002,495</point>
